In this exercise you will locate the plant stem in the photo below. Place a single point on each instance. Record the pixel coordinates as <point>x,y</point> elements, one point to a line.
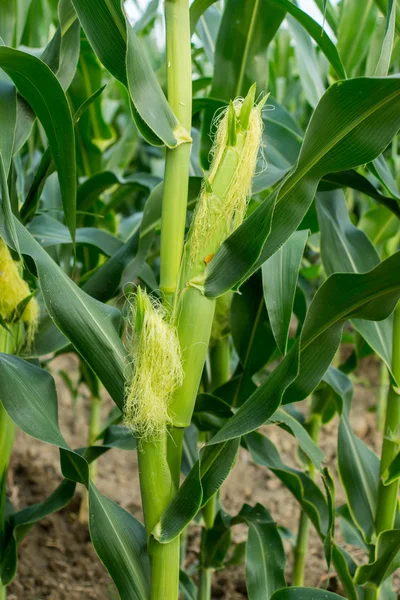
<point>205,581</point>
<point>7,434</point>
<point>94,430</point>
<point>176,177</point>
<point>220,360</point>
<point>301,549</point>
<point>160,461</point>
<point>158,489</point>
<point>371,592</point>
<point>388,494</point>
<point>382,398</point>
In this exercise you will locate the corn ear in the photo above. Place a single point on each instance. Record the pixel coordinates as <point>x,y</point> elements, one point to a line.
<point>220,209</point>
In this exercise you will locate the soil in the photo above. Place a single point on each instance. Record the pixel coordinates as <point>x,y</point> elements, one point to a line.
<point>56,559</point>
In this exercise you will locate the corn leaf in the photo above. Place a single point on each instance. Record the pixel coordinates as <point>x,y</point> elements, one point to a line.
<point>358,465</point>
<point>265,555</point>
<point>308,446</point>
<point>197,9</point>
<point>356,26</point>
<point>359,473</point>
<point>346,249</point>
<point>280,275</point>
<point>302,593</point>
<point>50,232</point>
<point>19,523</point>
<point>8,119</point>
<point>383,6</point>
<point>156,116</point>
<point>382,68</point>
<point>252,337</point>
<point>37,84</point>
<point>317,33</point>
<point>120,542</point>
<point>304,489</point>
<point>87,323</point>
<point>387,559</point>
<point>105,30</point>
<point>370,296</point>
<point>202,482</point>
<point>352,124</point>
<point>29,396</point>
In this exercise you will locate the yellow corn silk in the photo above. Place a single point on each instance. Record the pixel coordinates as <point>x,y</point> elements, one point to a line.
<point>13,290</point>
<point>157,370</point>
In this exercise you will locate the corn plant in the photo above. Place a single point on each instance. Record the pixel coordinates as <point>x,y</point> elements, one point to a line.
<point>168,220</point>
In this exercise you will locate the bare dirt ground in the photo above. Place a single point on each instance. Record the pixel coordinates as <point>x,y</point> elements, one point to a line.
<point>56,559</point>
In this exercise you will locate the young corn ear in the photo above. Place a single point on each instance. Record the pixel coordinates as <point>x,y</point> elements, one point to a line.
<point>223,198</point>
<point>220,209</point>
<point>157,370</point>
<point>13,291</point>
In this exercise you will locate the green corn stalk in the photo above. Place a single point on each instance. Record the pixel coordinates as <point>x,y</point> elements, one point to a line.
<point>301,548</point>
<point>159,461</point>
<point>220,358</point>
<point>388,494</point>
<point>8,342</point>
<point>192,314</point>
<point>387,502</point>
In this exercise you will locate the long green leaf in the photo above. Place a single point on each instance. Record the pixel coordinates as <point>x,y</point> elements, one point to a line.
<point>87,323</point>
<point>353,123</point>
<point>370,296</point>
<point>202,482</point>
<point>356,26</point>
<point>39,86</point>
<point>387,559</point>
<point>120,542</point>
<point>8,119</point>
<point>280,275</point>
<point>105,29</point>
<point>149,99</point>
<point>317,33</point>
<point>29,396</point>
<point>382,68</point>
<point>301,593</point>
<point>346,249</point>
<point>265,555</point>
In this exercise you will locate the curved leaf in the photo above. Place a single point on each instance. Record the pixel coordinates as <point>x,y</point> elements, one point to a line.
<point>203,481</point>
<point>120,542</point>
<point>106,32</point>
<point>301,593</point>
<point>265,555</point>
<point>40,87</point>
<point>280,274</point>
<point>352,124</point>
<point>317,33</point>
<point>346,249</point>
<point>148,97</point>
<point>87,323</point>
<point>29,396</point>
